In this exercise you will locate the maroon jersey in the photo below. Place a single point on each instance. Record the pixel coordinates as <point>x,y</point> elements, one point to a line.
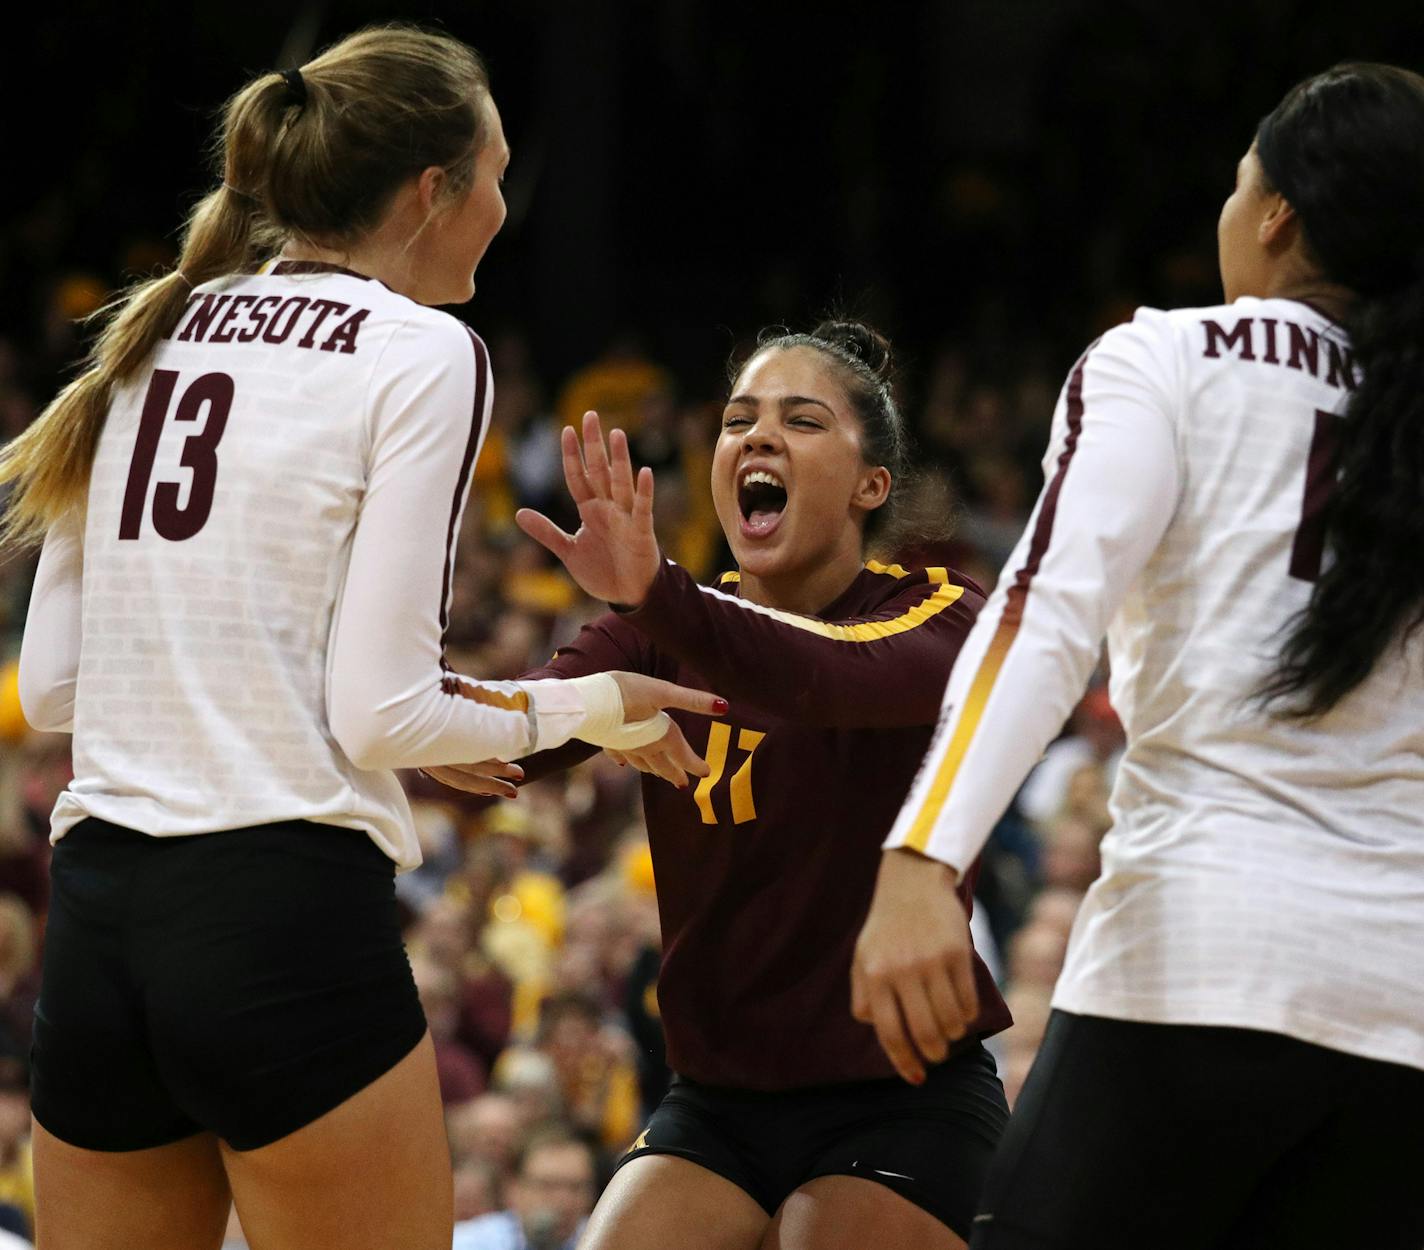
<point>765,867</point>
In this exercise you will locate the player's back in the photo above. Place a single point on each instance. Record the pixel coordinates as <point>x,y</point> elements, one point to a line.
<point>1239,832</point>
<point>222,508</point>
<point>1260,389</point>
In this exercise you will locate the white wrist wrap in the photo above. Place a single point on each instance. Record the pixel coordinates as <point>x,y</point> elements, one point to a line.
<point>603,716</point>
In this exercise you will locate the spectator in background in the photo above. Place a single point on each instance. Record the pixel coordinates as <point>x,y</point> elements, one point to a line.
<point>1094,737</point>
<point>488,1128</point>
<point>550,1198</point>
<point>17,1179</point>
<point>617,385</point>
<point>445,935</point>
<point>593,1062</point>
<point>477,1190</point>
<point>461,1074</point>
<point>19,982</point>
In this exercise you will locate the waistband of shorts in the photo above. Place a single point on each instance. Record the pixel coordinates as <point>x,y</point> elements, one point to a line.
<point>341,840</point>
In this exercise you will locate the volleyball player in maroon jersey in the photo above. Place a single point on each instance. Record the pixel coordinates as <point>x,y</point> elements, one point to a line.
<point>785,1124</point>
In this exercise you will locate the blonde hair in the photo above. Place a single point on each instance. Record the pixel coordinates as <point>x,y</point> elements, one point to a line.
<point>321,163</point>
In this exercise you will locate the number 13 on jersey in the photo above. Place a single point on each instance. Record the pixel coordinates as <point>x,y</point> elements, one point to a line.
<point>200,455</point>
<point>719,738</point>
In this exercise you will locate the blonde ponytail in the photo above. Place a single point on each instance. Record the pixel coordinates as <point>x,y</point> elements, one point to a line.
<point>49,462</point>
<point>320,163</point>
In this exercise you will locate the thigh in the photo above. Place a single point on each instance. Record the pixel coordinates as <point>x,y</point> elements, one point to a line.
<point>1131,1135</point>
<point>276,983</point>
<point>95,1082</point>
<point>658,1201</point>
<point>847,1213</point>
<point>929,1146</point>
<point>372,1174</point>
<point>172,1197</point>
<point>1355,1179</point>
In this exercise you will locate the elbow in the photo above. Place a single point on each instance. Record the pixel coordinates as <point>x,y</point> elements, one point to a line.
<point>362,738</point>
<point>47,707</point>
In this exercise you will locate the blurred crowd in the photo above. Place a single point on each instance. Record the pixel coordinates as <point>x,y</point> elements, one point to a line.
<point>532,924</point>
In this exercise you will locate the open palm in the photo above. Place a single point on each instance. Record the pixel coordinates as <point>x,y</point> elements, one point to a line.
<point>614,556</point>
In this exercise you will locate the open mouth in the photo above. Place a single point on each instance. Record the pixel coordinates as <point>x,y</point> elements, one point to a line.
<point>762,500</point>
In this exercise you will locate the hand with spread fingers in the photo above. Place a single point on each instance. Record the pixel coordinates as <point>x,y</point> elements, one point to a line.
<point>669,758</point>
<point>614,556</point>
<point>913,973</point>
<point>492,778</point>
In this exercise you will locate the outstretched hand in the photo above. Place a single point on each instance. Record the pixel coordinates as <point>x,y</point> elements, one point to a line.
<point>614,556</point>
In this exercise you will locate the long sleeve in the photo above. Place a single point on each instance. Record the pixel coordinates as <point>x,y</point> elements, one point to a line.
<point>49,654</point>
<point>392,701</point>
<point>605,645</point>
<point>885,670</point>
<point>1113,483</point>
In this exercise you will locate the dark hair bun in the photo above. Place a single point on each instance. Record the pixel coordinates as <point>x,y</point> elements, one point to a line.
<point>860,342</point>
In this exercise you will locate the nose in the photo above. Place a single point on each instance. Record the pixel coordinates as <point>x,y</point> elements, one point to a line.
<point>763,436</point>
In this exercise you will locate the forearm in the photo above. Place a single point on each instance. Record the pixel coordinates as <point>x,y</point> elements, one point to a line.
<point>49,653</point>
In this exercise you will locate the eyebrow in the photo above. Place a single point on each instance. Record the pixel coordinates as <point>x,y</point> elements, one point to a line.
<point>791,401</point>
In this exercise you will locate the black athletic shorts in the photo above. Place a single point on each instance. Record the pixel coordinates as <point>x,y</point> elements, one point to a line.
<point>929,1143</point>
<point>1184,1137</point>
<point>243,983</point>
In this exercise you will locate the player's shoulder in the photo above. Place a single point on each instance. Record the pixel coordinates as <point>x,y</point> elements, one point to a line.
<point>888,581</point>
<point>432,331</point>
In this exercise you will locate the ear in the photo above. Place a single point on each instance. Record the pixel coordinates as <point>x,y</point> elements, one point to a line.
<point>1279,226</point>
<point>428,188</point>
<point>872,490</point>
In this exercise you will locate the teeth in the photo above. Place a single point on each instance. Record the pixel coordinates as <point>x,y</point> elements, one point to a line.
<point>760,475</point>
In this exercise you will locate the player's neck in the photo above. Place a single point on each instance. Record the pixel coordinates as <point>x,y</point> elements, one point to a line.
<point>1324,296</point>
<point>373,259</point>
<point>802,591</point>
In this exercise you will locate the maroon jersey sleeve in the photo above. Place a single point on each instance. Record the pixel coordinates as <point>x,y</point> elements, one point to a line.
<point>605,645</point>
<point>887,669</point>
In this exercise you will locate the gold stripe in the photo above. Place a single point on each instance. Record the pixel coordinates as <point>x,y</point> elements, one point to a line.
<point>979,690</point>
<point>743,805</point>
<point>719,737</point>
<point>873,631</point>
<point>517,702</point>
<point>937,576</point>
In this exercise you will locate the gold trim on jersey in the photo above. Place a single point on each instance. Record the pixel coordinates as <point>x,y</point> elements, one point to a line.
<point>871,631</point>
<point>516,702</point>
<point>918,837</point>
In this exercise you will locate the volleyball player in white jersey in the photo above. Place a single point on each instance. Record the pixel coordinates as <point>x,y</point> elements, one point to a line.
<point>251,498</point>
<point>1236,497</point>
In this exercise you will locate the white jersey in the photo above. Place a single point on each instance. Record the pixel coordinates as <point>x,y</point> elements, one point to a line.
<point>249,627</point>
<point>1261,872</point>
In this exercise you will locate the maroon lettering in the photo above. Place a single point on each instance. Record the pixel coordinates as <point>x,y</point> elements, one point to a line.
<point>177,523</point>
<point>1239,338</point>
<point>1270,357</point>
<point>223,331</point>
<point>343,338</point>
<point>323,309</point>
<point>1308,549</point>
<point>150,428</point>
<point>257,318</point>
<point>202,320</point>
<point>187,308</point>
<point>1303,349</point>
<point>277,330</point>
<point>1342,365</point>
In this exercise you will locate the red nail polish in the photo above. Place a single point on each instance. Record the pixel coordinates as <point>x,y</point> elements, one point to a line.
<point>719,706</point>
